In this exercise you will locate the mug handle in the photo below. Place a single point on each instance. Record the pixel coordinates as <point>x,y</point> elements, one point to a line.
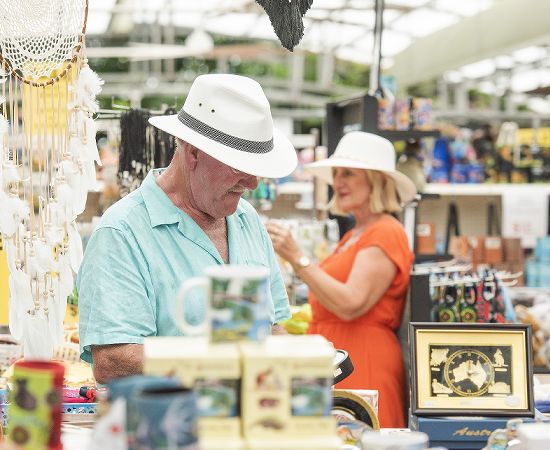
<point>203,328</point>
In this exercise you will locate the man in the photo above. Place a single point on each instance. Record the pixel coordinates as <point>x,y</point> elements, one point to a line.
<point>180,221</point>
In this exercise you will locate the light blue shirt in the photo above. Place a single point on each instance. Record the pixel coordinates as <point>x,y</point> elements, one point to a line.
<point>141,252</point>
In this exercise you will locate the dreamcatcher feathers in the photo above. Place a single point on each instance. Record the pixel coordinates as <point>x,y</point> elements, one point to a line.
<point>41,53</point>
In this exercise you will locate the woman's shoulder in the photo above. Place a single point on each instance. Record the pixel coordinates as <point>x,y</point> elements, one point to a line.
<point>386,224</point>
<point>387,229</point>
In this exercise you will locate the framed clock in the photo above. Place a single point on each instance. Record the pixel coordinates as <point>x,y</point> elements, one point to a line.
<point>471,369</point>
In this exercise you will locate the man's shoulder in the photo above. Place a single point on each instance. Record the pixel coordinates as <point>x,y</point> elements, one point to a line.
<point>247,213</point>
<point>246,208</point>
<point>127,211</point>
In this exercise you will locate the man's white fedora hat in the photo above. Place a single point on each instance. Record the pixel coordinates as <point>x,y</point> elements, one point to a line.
<point>228,117</point>
<point>360,150</point>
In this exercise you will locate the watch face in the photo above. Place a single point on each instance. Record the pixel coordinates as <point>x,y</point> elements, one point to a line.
<point>304,261</point>
<point>470,371</point>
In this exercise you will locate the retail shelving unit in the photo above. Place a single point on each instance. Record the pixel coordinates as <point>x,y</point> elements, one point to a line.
<point>472,201</point>
<point>361,113</point>
<point>474,190</point>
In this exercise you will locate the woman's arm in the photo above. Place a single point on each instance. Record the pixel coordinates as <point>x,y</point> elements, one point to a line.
<point>371,275</point>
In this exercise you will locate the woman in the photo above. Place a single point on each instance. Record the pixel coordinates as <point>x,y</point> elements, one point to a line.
<point>358,293</point>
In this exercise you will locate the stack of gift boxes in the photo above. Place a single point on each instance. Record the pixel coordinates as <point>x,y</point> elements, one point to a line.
<point>504,254</point>
<point>270,395</point>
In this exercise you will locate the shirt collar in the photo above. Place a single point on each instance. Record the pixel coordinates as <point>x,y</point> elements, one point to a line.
<point>160,208</point>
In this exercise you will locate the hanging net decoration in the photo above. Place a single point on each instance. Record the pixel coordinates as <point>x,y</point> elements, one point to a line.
<point>47,160</point>
<point>286,17</point>
<point>39,37</point>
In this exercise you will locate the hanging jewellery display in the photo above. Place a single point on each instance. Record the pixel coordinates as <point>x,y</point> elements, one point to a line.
<point>47,160</point>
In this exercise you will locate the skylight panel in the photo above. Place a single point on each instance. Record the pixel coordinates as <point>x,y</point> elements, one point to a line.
<point>422,22</point>
<point>479,69</point>
<point>394,42</point>
<point>365,17</point>
<point>463,7</point>
<point>528,54</point>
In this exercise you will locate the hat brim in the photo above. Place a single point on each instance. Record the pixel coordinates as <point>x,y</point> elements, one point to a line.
<point>278,163</point>
<point>323,170</point>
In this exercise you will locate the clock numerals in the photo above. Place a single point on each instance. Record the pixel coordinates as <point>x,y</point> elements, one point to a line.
<point>468,373</point>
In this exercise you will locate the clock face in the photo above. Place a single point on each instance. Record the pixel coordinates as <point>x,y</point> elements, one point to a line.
<point>469,373</point>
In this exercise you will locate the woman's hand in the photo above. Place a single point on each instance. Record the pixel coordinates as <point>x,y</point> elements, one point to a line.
<point>283,243</point>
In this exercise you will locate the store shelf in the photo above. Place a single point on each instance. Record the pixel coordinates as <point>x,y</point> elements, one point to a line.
<point>395,135</point>
<point>482,189</point>
<point>361,113</point>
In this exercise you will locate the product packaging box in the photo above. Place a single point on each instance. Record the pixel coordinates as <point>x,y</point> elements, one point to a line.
<point>459,247</point>
<point>422,113</point>
<point>313,443</point>
<point>386,117</point>
<point>402,114</point>
<point>542,249</point>
<point>513,252</point>
<point>493,250</point>
<point>457,433</point>
<point>476,244</point>
<point>212,370</point>
<point>532,272</point>
<point>222,444</point>
<point>287,388</point>
<point>538,274</point>
<point>425,239</point>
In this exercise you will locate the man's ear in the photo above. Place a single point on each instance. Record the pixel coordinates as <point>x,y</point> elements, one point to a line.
<point>191,156</point>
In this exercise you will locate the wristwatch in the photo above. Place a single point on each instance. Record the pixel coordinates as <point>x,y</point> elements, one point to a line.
<point>302,263</point>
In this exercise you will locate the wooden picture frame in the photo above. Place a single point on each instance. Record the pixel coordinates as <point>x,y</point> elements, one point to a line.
<point>471,369</point>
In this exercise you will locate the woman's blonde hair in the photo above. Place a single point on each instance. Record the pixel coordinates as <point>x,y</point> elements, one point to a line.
<point>384,197</point>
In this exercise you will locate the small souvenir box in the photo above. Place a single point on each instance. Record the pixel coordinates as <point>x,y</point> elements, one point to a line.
<point>422,113</point>
<point>222,444</point>
<point>213,371</point>
<point>386,116</point>
<point>322,443</point>
<point>402,114</point>
<point>286,388</point>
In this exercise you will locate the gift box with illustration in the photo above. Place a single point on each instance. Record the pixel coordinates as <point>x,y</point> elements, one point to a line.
<point>461,432</point>
<point>213,371</point>
<point>287,388</point>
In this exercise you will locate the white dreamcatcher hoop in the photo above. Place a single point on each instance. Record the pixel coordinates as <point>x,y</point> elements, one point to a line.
<point>47,160</point>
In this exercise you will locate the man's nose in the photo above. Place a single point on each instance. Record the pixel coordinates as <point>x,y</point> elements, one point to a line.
<point>249,182</point>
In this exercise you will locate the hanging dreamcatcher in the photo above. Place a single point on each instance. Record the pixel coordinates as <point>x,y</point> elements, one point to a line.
<point>47,160</point>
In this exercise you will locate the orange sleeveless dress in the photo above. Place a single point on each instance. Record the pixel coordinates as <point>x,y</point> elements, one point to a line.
<point>370,339</point>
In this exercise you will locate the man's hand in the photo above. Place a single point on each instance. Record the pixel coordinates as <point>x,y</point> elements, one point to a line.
<point>116,361</point>
<point>278,330</point>
<point>283,243</point>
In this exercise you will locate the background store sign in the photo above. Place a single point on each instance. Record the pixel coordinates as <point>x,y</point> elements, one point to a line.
<point>525,213</point>
<point>529,136</point>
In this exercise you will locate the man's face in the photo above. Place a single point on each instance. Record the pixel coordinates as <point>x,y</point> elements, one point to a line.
<point>216,187</point>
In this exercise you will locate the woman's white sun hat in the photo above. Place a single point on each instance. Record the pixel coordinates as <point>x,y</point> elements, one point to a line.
<point>360,150</point>
<point>229,118</point>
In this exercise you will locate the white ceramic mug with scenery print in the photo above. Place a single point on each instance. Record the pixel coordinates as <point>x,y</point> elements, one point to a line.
<point>236,304</point>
